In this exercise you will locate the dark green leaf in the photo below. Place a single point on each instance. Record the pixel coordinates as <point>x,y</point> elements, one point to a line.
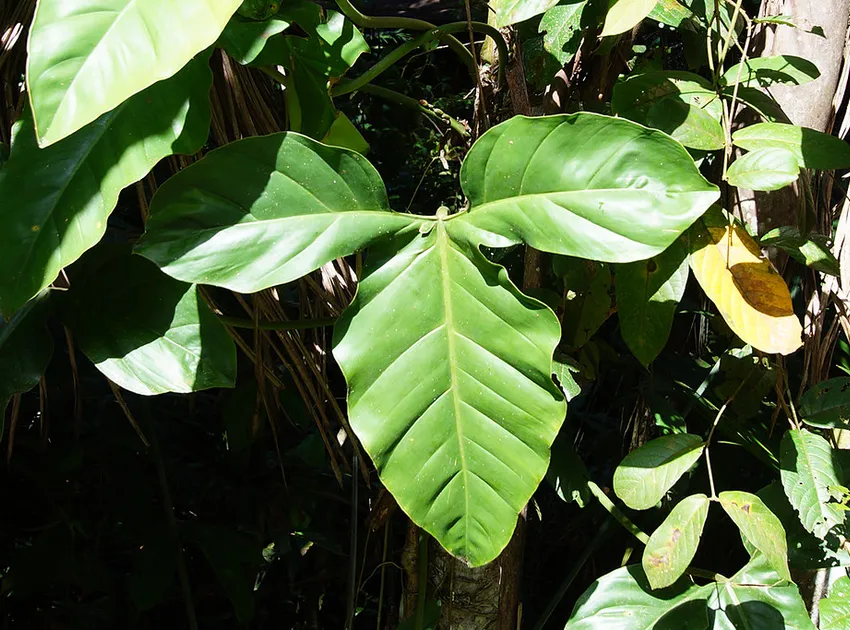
<point>25,351</point>
<point>646,474</point>
<point>760,102</point>
<point>827,404</point>
<point>764,169</point>
<point>812,250</point>
<point>811,148</point>
<point>807,471</point>
<point>767,71</point>
<point>147,332</point>
<point>454,401</point>
<point>588,299</point>
<point>245,40</point>
<point>580,185</point>
<point>54,202</point>
<point>567,473</point>
<point>648,294</point>
<point>89,56</point>
<point>265,211</point>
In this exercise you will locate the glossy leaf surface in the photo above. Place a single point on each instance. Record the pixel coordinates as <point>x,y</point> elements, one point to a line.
<point>760,527</point>
<point>582,185</point>
<point>827,404</point>
<point>752,298</point>
<point>147,332</point>
<point>807,470</point>
<point>767,71</point>
<point>25,351</point>
<point>623,15</point>
<point>765,169</point>
<point>812,250</point>
<point>453,400</point>
<point>835,609</point>
<point>89,56</point>
<point>54,202</point>
<point>648,294</point>
<point>681,104</point>
<point>647,473</point>
<point>507,12</point>
<point>673,544</point>
<point>812,148</point>
<point>265,211</point>
<point>755,597</point>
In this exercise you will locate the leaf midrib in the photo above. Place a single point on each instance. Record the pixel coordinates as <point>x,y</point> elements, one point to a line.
<point>442,250</point>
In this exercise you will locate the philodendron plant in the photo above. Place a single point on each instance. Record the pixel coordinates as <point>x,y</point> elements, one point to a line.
<point>448,363</point>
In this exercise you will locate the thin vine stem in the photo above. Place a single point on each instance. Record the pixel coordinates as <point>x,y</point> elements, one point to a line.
<point>716,422</point>
<point>346,87</point>
<point>420,106</point>
<point>614,511</point>
<point>368,21</point>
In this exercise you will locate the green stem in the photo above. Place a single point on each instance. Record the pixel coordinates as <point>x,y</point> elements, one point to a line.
<point>420,106</point>
<point>299,324</point>
<point>412,24</point>
<point>293,105</point>
<point>614,511</point>
<point>396,55</point>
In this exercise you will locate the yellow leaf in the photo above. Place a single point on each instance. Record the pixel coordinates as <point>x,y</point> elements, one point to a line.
<point>750,295</point>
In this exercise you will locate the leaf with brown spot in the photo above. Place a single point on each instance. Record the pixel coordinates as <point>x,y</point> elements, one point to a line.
<point>760,527</point>
<point>672,546</point>
<point>752,298</point>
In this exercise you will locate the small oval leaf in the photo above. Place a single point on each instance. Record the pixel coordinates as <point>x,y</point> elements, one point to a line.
<point>672,546</point>
<point>646,474</point>
<point>765,169</point>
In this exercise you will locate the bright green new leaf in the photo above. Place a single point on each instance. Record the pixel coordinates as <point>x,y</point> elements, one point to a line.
<point>581,185</point>
<point>767,71</point>
<point>765,169</point>
<point>672,546</point>
<point>25,351</point>
<point>623,15</point>
<point>835,609</point>
<point>827,404</point>
<point>267,210</point>
<point>54,202</point>
<point>673,13</point>
<point>755,597</point>
<point>450,389</point>
<point>507,12</point>
<point>807,470</point>
<point>760,527</point>
<point>681,104</point>
<point>344,134</point>
<point>648,294</point>
<point>812,250</point>
<point>812,149</point>
<point>88,56</point>
<point>646,474</point>
<point>147,332</point>
<point>561,26</point>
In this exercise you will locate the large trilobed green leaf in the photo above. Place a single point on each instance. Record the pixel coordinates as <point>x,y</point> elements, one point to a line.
<point>267,210</point>
<point>25,350</point>
<point>88,56</point>
<point>647,473</point>
<point>807,471</point>
<point>450,389</point>
<point>147,332</point>
<point>755,597</point>
<point>54,202</point>
<point>582,185</point>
